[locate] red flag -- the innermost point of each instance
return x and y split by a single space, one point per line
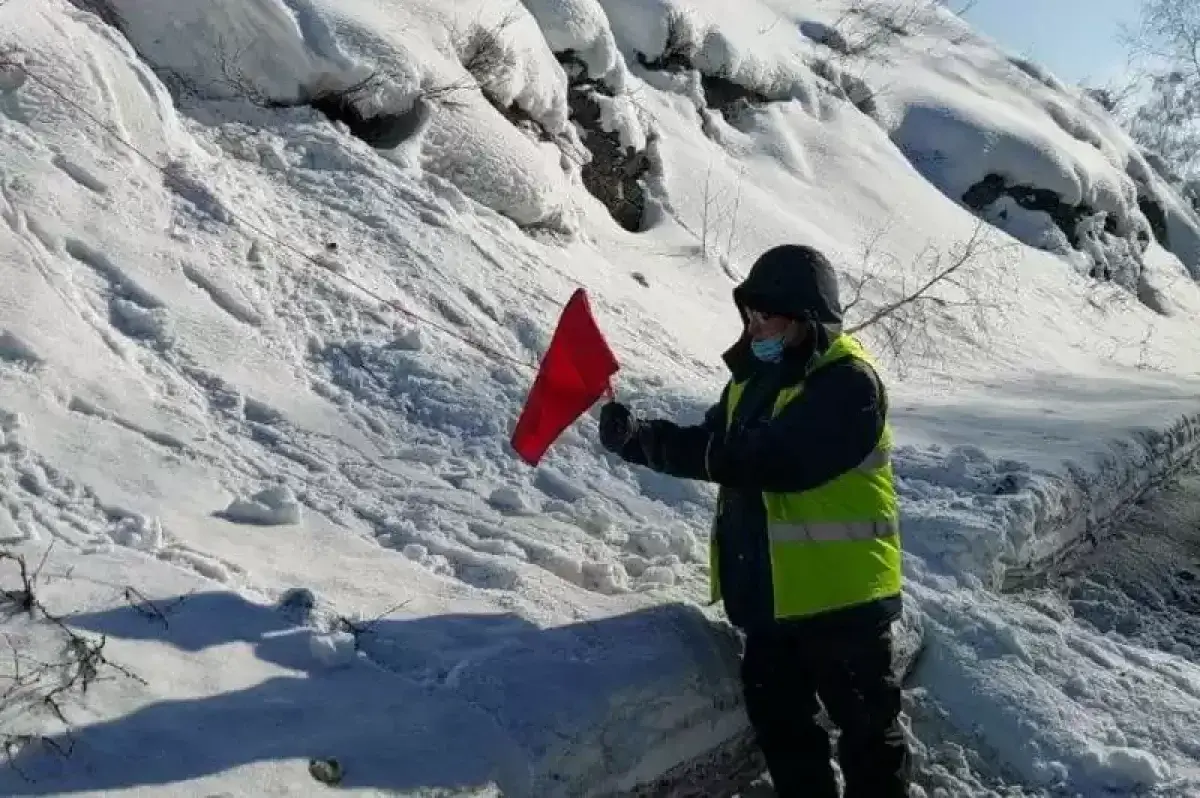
574 374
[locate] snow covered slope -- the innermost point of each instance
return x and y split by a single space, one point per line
240 415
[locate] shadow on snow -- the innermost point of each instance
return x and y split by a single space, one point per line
449 701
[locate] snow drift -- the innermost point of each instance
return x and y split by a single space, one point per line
246 348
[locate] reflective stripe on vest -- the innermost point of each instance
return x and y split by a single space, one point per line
829 531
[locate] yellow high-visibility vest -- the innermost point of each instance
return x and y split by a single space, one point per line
838 544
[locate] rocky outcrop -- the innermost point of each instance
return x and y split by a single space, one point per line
734 99
1168 204
616 171
1157 217
1098 235
721 93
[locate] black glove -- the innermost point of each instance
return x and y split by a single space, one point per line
617 426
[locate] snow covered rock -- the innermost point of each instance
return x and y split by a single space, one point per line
579 33
273 506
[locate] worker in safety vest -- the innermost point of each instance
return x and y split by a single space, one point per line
805 549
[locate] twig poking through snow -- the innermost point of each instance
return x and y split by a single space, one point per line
484 55
357 628
144 606
31 683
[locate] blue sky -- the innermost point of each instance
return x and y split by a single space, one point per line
1074 39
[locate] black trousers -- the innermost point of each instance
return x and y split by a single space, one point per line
785 670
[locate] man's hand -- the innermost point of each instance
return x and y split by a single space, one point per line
617 426
668 452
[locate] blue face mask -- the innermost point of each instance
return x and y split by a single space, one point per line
768 350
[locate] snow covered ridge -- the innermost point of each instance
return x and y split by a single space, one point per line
1038 159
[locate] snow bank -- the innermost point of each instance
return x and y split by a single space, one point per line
302 50
1062 704
999 521
599 706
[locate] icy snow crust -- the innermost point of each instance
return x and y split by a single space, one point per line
192 410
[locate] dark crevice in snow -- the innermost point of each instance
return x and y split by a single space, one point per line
519 118
846 86
824 34
721 92
1154 213
734 99
614 172
383 131
1066 217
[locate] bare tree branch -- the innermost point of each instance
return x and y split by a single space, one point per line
909 314
485 56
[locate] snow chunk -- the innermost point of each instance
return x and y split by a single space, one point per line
510 499
1123 768
620 115
581 27
271 506
333 649
138 532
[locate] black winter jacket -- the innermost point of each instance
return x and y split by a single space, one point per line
826 431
